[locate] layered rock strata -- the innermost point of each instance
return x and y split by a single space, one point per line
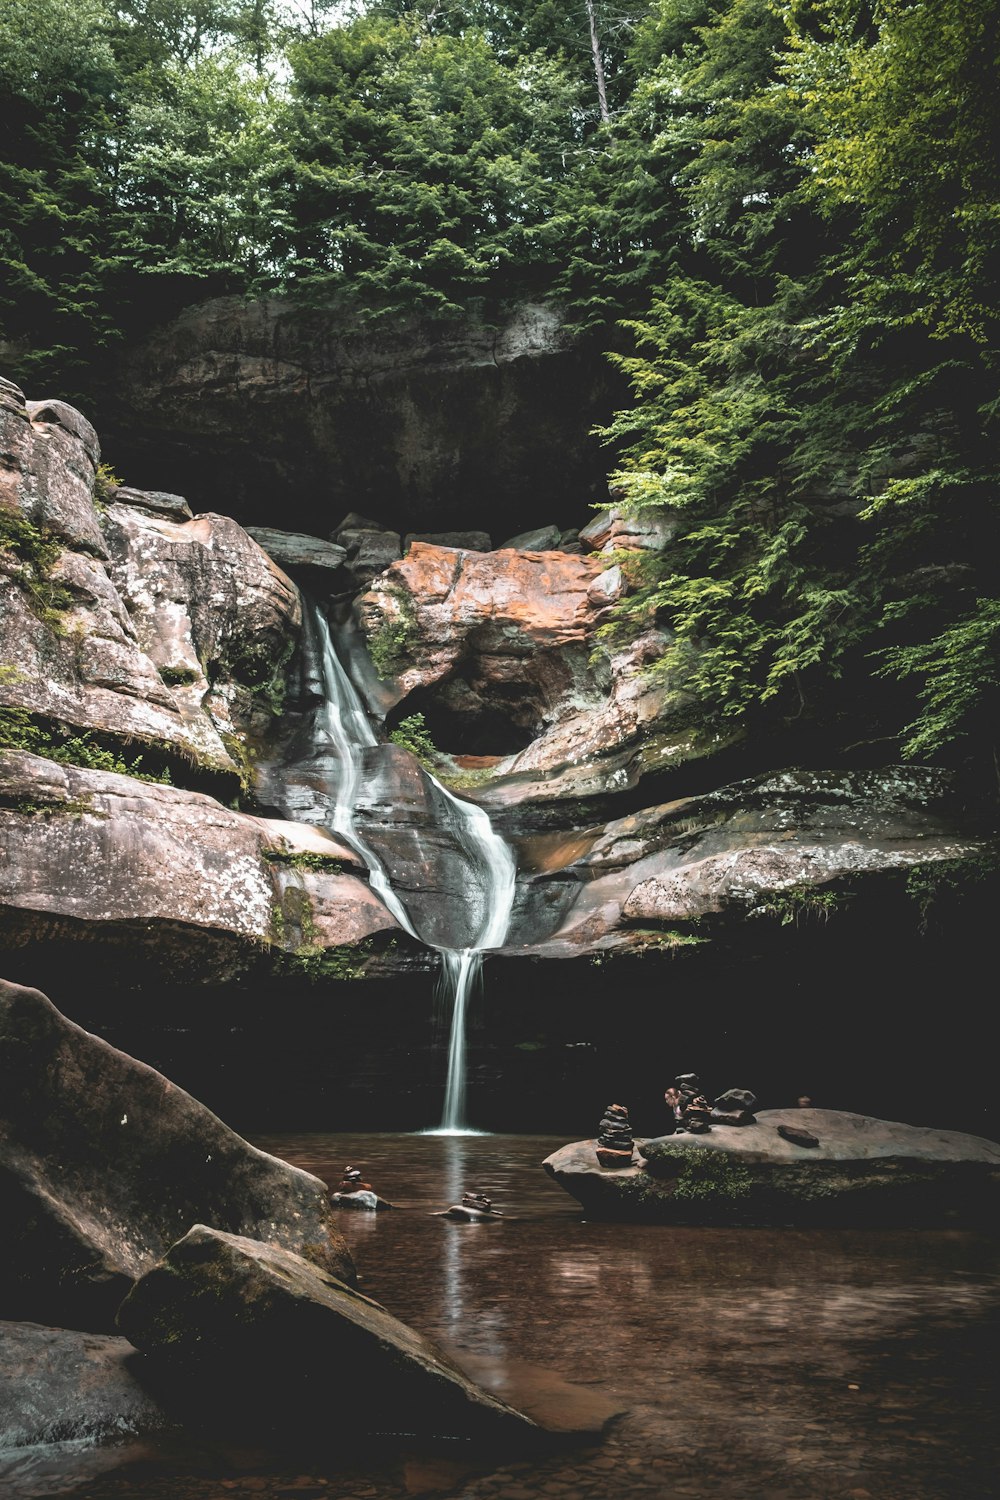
776 847
84 856
405 419
126 617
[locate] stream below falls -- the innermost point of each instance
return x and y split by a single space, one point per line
752 1364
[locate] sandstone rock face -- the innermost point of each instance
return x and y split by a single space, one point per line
105 1163
497 652
761 848
215 616
58 1385
246 401
84 856
409 824
291 549
863 1171
130 621
294 1336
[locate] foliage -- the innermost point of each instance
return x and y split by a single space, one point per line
711 1176
666 939
300 859
413 735
19 731
178 676
319 965
933 885
34 553
826 332
106 481
799 903
424 170
390 644
960 681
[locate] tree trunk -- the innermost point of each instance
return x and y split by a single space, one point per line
602 92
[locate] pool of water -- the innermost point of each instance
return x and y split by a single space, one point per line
779 1363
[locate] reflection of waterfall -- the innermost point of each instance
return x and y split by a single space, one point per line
342 726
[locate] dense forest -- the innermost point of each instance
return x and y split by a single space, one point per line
776 216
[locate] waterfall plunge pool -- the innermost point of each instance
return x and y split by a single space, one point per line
765 1363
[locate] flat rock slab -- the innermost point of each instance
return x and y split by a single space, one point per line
104 1163
278 1337
863 1170
59 1385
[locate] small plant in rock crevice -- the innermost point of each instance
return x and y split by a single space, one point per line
391 643
413 735
34 552
19 731
800 903
106 481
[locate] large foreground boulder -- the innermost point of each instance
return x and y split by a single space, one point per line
271 1335
798 1166
104 1164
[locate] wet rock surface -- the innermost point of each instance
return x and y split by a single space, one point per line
84 859
758 849
861 1170
287 1339
105 1163
58 1385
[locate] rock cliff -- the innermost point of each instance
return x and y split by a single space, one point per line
138 640
413 422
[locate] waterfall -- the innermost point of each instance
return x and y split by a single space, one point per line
342 726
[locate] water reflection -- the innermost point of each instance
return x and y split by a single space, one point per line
806 1365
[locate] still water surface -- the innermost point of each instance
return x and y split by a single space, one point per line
780 1364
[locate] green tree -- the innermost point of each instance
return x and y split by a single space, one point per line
57 82
426 172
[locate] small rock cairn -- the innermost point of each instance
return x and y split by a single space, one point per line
694 1115
614 1137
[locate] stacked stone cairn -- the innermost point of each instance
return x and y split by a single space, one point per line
614 1137
692 1112
734 1107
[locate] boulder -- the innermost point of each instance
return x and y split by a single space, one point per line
487 645
542 539
280 1335
82 860
212 612
862 1171
58 1385
104 1163
464 541
369 552
58 475
158 502
497 651
648 530
293 549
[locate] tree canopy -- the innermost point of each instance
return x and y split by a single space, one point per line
778 216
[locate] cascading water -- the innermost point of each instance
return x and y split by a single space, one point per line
343 727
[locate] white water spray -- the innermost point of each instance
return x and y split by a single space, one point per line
342 725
